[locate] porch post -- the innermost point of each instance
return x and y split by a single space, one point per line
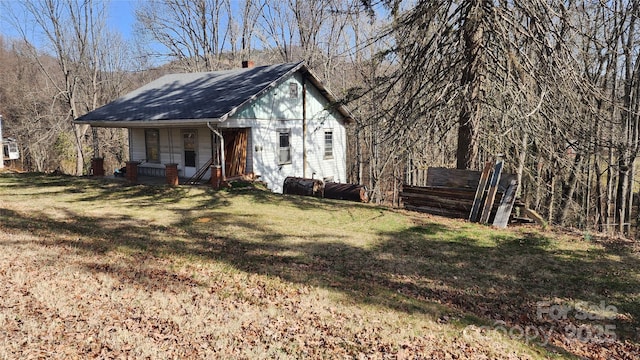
304 127
96 144
222 160
223 164
216 176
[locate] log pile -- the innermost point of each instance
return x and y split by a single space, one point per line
345 192
320 189
302 186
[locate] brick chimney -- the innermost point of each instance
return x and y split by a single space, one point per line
247 64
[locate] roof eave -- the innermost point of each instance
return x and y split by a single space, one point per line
147 123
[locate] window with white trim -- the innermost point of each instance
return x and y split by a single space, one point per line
152 145
284 146
293 90
328 144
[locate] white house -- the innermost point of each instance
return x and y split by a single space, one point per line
269 121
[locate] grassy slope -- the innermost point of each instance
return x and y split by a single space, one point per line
90 268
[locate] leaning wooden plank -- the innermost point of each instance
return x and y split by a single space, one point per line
482 185
506 205
491 194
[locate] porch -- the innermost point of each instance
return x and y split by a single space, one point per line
185 155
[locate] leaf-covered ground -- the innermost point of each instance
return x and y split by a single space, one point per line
92 268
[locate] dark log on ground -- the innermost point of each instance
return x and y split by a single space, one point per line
302 186
345 192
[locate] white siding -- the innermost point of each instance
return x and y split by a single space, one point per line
266 158
136 145
204 149
170 147
273 111
276 110
275 104
319 120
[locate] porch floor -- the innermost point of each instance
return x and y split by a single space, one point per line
152 180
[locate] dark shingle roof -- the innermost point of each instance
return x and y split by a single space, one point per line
191 96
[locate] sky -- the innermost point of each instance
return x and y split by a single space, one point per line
121 17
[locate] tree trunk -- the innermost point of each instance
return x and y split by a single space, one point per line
472 79
628 218
600 203
569 189
621 194
522 157
552 198
539 184
79 131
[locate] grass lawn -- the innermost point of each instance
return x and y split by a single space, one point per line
91 268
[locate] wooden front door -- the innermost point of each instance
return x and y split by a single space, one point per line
235 151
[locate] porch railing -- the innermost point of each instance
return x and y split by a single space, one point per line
197 177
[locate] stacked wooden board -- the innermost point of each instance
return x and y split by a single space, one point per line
438 200
481 196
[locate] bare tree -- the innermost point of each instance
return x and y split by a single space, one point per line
26 105
278 29
73 32
193 32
